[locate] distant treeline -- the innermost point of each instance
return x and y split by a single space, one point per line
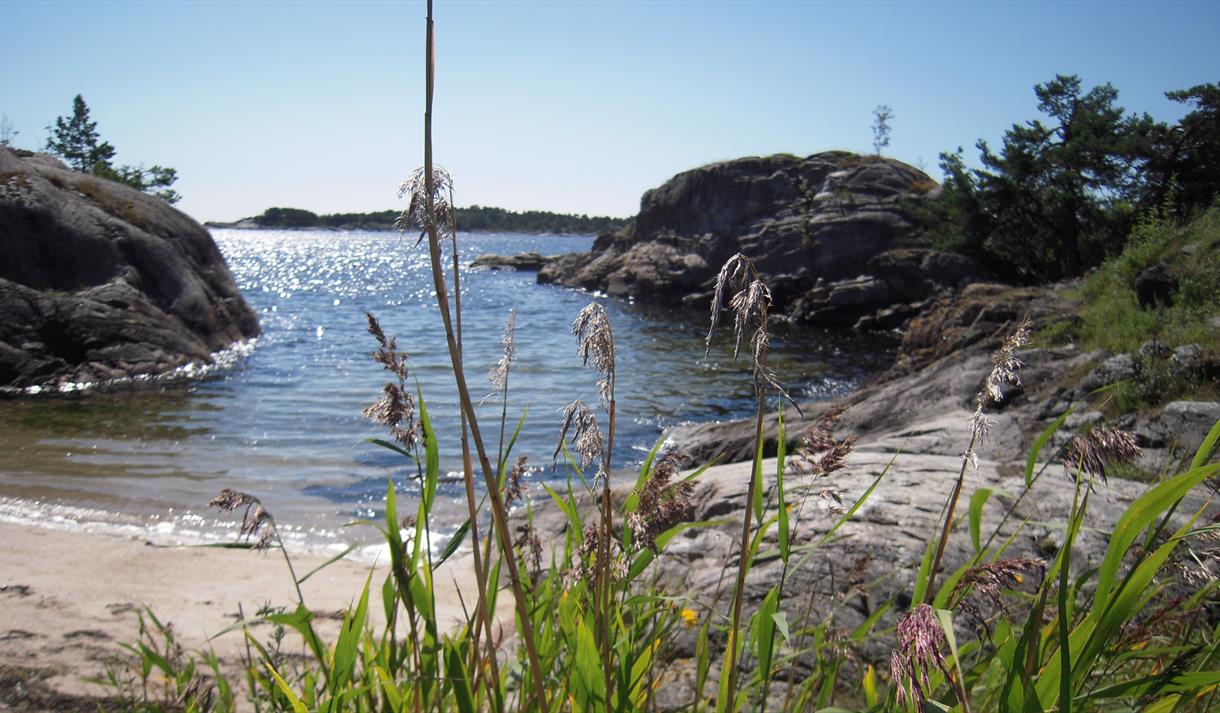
472 218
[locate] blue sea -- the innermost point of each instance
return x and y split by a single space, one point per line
281 417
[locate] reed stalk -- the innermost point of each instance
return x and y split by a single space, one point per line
482 614
498 512
730 654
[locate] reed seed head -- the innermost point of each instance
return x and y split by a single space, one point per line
529 545
994 578
1003 371
257 523
595 540
818 440
395 409
595 345
1097 448
499 373
662 502
514 485
750 301
920 638
586 439
416 216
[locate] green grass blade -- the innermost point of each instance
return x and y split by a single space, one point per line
1040 442
633 500
977 501
1137 518
785 543
1207 447
349 638
764 632
455 542
348 550
431 455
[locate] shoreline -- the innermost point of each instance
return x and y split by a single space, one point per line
211 224
68 599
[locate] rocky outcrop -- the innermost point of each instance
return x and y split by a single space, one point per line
100 282
914 422
521 261
832 234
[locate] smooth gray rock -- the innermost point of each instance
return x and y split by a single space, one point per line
99 281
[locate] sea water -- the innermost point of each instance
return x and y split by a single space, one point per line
281 417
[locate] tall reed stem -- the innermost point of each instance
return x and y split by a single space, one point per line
949 511
499 514
482 615
743 565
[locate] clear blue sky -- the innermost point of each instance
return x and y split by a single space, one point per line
566 106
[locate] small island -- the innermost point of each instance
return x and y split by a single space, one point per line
474 218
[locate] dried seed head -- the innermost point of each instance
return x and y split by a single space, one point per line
750 301
530 547
994 578
416 217
1003 371
595 540
395 409
256 521
595 345
499 374
586 438
734 275
833 453
514 485
1092 451
662 502
920 638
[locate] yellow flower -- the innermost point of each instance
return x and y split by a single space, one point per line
690 617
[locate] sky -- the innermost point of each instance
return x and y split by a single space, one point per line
566 106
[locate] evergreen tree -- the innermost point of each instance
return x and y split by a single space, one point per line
881 127
1185 160
76 140
1059 196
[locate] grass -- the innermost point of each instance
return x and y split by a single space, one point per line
1109 317
593 627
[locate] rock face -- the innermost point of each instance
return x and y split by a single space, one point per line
99 281
832 234
913 424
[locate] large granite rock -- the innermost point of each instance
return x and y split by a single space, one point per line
100 282
832 233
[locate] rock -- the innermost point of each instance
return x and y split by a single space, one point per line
99 281
1152 349
831 234
1155 286
1169 438
522 261
1111 371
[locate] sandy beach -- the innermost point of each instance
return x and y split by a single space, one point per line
67 600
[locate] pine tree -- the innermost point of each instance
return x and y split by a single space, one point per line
881 127
76 140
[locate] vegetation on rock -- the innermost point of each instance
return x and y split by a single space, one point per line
77 141
473 218
1063 195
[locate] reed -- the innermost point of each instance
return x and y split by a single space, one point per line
595 625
